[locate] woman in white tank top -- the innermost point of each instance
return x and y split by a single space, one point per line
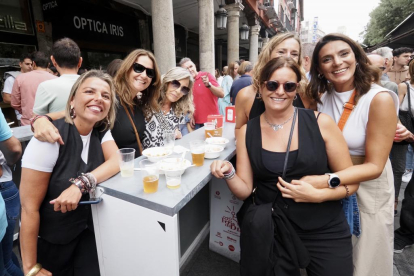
340 67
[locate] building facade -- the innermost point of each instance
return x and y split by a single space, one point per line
311 31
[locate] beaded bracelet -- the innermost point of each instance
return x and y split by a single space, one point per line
347 191
32 120
231 174
86 183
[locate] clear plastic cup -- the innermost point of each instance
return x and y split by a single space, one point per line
168 137
173 179
198 150
150 176
126 161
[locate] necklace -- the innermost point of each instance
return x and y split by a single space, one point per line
276 127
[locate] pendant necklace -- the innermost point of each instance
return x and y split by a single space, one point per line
276 127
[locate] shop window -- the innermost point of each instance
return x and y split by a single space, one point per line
98 60
15 17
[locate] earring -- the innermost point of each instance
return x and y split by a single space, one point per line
296 96
320 76
107 120
72 112
356 64
258 95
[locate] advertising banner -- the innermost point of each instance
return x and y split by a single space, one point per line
224 228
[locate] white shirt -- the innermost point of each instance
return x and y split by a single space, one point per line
355 128
404 104
8 85
35 158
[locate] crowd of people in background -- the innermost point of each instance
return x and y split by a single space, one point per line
323 116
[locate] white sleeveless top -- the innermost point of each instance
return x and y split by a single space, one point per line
355 128
404 104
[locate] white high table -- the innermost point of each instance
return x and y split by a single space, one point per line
153 234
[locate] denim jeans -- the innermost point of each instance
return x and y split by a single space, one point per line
351 210
11 198
406 231
197 126
409 158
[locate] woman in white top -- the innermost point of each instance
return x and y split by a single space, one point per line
340 67
55 232
176 103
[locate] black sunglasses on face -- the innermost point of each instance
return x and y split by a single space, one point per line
288 86
139 68
184 89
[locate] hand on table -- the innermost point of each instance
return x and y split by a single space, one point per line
219 167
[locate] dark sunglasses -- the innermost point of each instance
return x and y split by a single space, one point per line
139 68
287 86
184 89
382 68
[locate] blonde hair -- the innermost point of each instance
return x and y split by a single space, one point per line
109 120
266 55
185 104
149 99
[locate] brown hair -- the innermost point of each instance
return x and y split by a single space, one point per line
276 64
108 121
365 74
265 56
149 99
230 70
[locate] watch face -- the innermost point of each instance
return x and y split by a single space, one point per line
335 181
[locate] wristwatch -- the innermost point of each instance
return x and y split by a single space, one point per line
209 85
333 181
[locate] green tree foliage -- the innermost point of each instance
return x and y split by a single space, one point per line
385 18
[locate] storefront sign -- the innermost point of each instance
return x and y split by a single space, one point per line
40 25
15 17
89 23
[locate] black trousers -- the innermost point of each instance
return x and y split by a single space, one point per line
406 231
77 258
330 250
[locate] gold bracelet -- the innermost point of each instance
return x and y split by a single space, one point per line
34 270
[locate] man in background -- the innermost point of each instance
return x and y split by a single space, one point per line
307 52
245 71
386 53
399 71
26 65
25 86
206 92
52 95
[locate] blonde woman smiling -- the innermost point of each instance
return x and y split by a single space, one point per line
175 103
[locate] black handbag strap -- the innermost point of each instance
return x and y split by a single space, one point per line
292 128
409 100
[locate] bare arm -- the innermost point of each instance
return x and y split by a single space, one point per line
45 131
6 98
302 191
242 184
33 188
217 91
244 102
402 91
16 97
12 150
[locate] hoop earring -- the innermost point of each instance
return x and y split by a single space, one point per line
296 97
356 64
320 76
72 112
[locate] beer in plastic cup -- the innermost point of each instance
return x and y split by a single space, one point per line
198 149
126 161
150 176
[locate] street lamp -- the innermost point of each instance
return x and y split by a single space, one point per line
244 32
221 16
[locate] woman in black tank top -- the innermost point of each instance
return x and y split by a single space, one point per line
315 215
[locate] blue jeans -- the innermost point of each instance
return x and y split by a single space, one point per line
409 158
351 209
11 198
197 126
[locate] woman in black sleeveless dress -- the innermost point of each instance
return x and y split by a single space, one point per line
315 214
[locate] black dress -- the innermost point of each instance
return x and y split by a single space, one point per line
258 106
322 227
123 132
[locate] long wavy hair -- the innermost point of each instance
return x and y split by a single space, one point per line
266 55
109 121
185 104
230 70
365 74
128 97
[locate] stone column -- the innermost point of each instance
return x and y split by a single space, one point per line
233 32
254 43
206 35
220 56
44 40
163 32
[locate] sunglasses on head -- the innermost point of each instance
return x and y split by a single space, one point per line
288 86
176 84
139 68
